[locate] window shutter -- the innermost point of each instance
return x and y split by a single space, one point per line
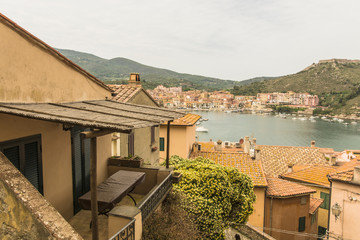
162 144
301 224
32 169
13 154
131 144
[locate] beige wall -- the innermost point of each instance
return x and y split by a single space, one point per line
56 157
142 99
30 74
257 217
181 140
143 145
347 224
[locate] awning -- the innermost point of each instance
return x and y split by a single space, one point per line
101 114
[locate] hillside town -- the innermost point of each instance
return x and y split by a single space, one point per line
80 159
174 97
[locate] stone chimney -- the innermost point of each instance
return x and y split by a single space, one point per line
218 146
257 153
313 143
290 168
357 175
195 147
246 145
134 79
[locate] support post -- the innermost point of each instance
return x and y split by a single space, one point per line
93 186
168 143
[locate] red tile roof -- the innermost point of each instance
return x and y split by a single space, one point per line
345 172
187 120
27 35
312 174
124 93
276 159
241 161
282 188
315 204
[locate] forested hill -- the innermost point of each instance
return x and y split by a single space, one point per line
336 81
117 70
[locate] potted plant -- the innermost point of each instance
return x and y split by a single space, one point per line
129 161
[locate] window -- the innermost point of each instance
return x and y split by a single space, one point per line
326 203
25 155
162 144
301 224
152 134
321 231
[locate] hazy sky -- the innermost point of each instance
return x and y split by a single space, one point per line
229 39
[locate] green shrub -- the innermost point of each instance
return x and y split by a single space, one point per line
216 195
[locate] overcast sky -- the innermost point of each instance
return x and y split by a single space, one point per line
228 39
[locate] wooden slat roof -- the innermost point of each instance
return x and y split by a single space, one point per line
103 114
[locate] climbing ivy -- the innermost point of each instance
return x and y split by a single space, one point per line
215 194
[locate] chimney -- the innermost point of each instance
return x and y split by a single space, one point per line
254 143
290 168
313 143
246 145
134 79
195 147
257 153
356 178
218 146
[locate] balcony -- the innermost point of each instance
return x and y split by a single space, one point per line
126 219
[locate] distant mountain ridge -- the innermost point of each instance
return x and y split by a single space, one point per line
336 81
117 70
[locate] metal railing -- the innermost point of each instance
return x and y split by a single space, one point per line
126 233
154 198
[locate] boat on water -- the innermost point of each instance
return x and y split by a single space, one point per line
201 129
353 123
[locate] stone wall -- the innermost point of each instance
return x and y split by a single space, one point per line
24 212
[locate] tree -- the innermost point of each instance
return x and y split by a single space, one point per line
216 195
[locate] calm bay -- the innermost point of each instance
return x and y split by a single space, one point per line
276 130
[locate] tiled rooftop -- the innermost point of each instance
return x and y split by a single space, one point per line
276 159
345 172
282 188
312 174
187 120
315 204
241 161
124 92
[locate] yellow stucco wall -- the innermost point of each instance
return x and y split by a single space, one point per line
30 74
322 213
181 140
257 217
56 157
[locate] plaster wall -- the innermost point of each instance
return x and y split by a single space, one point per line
285 215
30 74
56 157
322 213
346 225
142 99
257 217
180 140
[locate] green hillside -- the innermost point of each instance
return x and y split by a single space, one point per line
117 70
336 81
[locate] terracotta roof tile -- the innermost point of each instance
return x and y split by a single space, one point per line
207 146
282 188
276 159
315 204
346 172
187 120
312 174
123 93
241 161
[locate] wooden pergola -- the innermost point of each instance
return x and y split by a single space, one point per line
103 117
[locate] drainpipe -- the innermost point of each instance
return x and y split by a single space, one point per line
328 227
168 143
271 207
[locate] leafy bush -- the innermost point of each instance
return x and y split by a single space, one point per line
217 195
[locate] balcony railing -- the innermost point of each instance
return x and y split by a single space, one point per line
155 197
126 233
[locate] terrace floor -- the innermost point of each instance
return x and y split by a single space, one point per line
81 221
